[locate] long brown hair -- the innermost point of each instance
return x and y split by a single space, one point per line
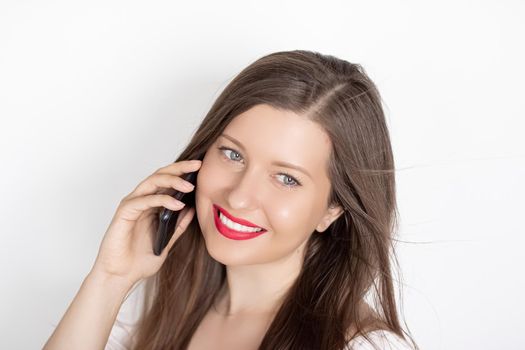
350 261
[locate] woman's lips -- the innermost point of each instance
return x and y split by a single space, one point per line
234 219
230 233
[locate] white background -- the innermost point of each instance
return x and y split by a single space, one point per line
96 95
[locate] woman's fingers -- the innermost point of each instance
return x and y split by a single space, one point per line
166 177
130 209
181 167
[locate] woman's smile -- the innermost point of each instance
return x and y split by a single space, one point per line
234 230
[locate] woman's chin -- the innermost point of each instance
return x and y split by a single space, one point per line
228 256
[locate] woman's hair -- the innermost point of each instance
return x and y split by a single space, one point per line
350 261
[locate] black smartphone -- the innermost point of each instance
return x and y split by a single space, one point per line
168 217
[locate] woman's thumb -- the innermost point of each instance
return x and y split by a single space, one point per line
184 219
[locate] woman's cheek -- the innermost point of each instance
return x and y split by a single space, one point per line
212 177
295 216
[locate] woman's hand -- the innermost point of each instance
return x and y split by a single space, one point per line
126 250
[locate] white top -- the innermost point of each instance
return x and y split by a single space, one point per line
121 336
383 339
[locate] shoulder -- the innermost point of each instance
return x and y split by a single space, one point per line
379 339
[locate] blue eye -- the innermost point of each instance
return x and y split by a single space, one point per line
294 182
229 149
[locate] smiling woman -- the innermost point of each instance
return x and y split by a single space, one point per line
296 144
295 221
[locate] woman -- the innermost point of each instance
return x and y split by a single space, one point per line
296 145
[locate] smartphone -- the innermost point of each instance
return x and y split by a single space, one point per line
168 218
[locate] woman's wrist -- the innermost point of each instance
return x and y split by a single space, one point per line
116 283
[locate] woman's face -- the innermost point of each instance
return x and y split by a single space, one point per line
247 183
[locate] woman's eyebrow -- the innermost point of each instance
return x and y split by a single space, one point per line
277 162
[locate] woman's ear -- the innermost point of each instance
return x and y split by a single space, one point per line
332 213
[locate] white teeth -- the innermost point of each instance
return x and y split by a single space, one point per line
235 226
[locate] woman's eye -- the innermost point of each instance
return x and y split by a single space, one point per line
229 149
291 182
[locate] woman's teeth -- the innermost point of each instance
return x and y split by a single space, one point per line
235 226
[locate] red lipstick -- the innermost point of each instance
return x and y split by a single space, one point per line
231 233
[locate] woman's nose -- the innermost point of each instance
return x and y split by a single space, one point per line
246 190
